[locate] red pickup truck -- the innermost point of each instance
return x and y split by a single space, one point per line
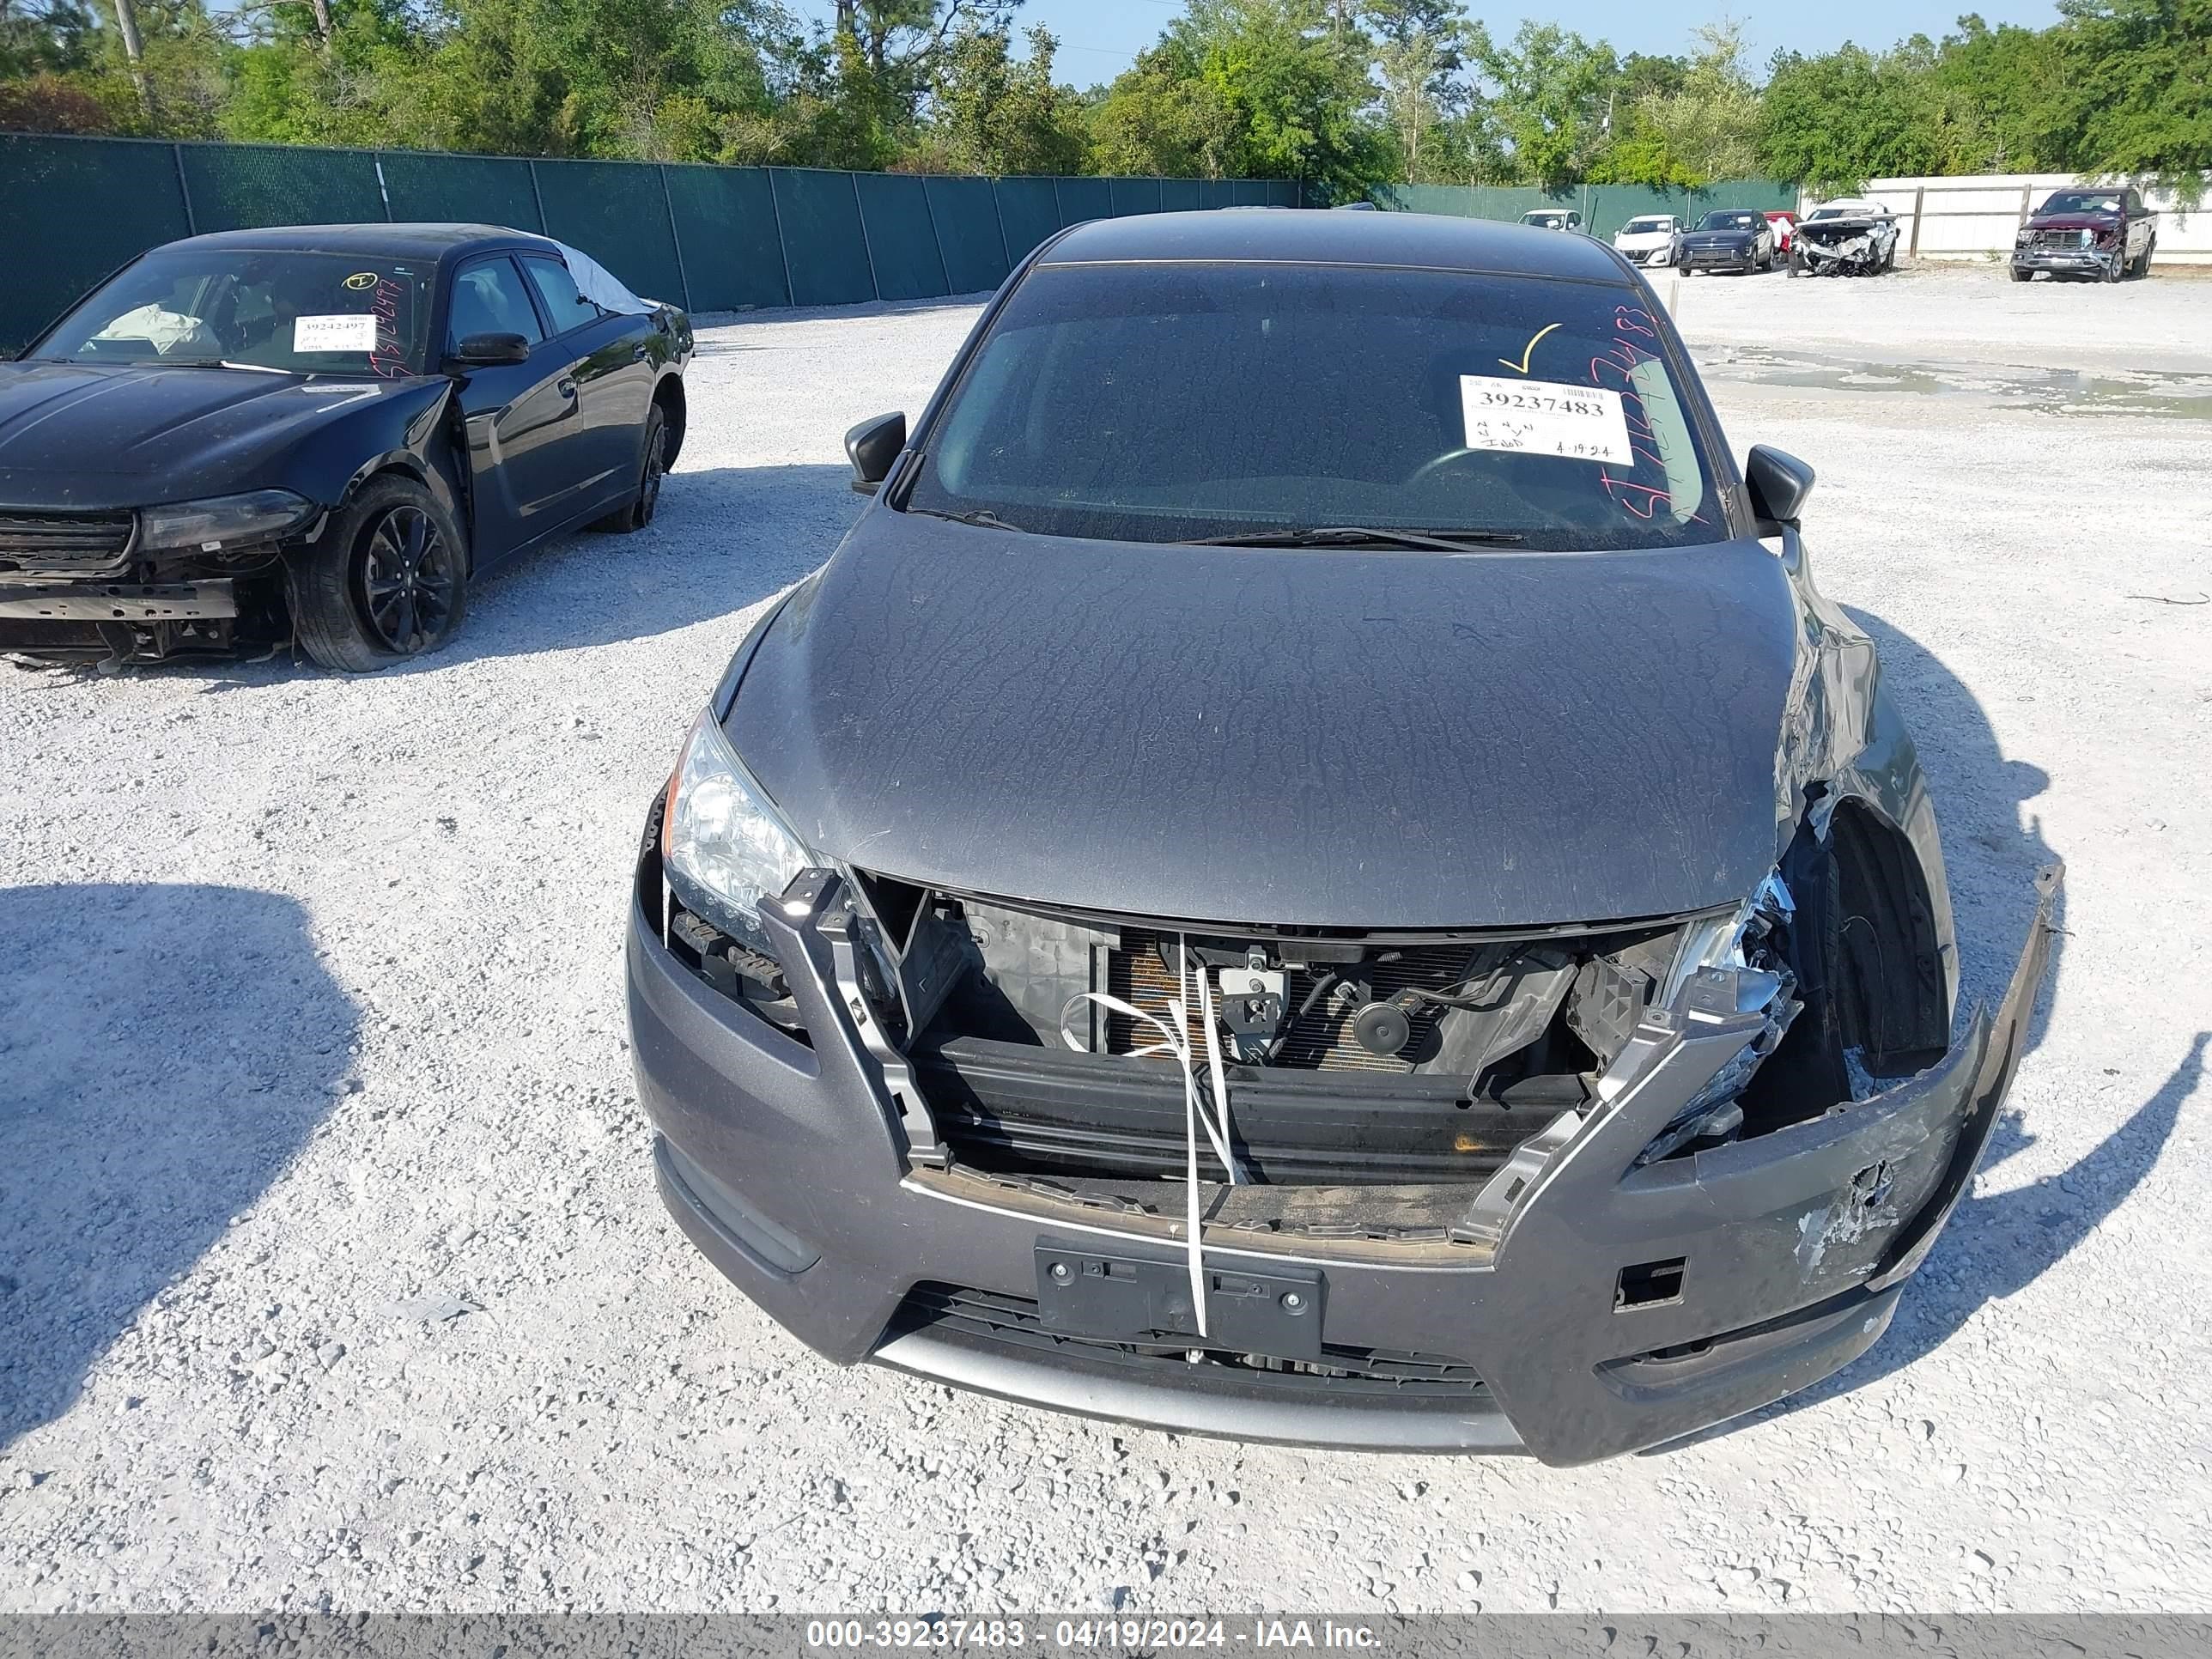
2097 234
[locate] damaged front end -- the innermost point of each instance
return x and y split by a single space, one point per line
1845 247
1573 1190
94 585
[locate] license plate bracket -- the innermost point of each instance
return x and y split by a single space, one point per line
1121 1295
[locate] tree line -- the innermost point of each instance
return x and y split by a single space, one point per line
1343 94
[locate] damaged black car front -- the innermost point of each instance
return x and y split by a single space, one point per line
1315 869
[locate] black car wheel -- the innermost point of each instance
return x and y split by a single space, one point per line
2116 268
651 470
387 580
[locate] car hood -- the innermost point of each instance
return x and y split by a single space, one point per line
79 435
1322 737
2073 222
1718 238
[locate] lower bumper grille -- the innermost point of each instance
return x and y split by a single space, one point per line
988 1318
63 543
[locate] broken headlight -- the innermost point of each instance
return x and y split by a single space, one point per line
725 848
221 521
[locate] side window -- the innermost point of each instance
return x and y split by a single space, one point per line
2135 204
488 298
567 306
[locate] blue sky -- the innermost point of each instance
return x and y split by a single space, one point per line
1099 37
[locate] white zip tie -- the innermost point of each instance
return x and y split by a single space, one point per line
1174 1039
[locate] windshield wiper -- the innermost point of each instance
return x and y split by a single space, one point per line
1445 541
982 515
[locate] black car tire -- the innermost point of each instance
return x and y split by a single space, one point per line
2021 275
387 579
641 508
2116 269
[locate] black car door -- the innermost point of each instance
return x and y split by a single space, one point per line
525 420
610 357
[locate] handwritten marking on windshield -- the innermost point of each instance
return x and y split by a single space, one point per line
1522 368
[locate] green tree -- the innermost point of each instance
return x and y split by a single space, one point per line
1421 49
1553 103
1834 120
1161 119
2138 88
992 114
1701 129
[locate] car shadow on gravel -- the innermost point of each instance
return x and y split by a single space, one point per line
1996 1244
165 1051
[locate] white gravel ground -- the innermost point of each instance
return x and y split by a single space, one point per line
330 1271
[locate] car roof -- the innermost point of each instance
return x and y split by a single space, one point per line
419 241
1412 241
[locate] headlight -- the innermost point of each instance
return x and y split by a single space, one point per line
223 521
724 847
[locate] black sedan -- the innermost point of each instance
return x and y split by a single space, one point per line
323 434
1307 873
1727 239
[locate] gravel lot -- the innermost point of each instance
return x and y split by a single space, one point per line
330 1271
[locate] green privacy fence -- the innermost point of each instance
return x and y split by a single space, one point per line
1605 208
715 239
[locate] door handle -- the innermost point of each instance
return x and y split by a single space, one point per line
566 388
640 351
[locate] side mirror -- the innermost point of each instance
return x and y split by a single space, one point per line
480 349
1778 484
872 447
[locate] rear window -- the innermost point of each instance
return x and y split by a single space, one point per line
1181 402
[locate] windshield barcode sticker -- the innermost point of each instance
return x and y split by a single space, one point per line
1544 417
351 332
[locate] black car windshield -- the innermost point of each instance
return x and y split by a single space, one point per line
1732 221
2082 201
1189 402
310 313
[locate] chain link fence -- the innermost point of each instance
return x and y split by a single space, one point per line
72 210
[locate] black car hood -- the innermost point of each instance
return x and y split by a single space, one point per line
1718 238
78 435
1322 738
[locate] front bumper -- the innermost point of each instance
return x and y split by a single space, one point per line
2066 261
787 1165
1718 258
43 599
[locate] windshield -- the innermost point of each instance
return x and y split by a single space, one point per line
1185 402
2082 201
1732 221
1639 227
1548 220
312 314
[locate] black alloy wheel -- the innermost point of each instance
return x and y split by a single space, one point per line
387 579
409 578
